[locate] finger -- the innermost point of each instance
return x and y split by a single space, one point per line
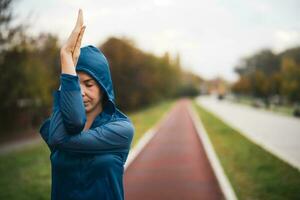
76 50
79 22
78 42
76 31
78 25
79 38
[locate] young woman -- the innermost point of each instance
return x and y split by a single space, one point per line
89 138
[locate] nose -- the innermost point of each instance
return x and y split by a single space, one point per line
82 90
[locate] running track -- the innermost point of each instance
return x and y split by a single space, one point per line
173 165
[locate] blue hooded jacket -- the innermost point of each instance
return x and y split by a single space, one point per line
87 164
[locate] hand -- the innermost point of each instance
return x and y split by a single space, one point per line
72 46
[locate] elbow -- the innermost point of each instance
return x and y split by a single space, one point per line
74 118
75 125
74 121
54 140
130 134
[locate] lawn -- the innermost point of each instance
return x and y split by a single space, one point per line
253 172
25 174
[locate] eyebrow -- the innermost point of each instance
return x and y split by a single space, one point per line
88 80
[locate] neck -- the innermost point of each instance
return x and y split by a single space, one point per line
90 116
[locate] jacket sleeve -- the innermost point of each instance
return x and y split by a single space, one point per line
73 112
115 136
44 131
71 104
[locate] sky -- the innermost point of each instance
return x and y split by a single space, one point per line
211 36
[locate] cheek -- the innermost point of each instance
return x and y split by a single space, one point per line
95 93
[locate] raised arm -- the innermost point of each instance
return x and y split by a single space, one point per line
71 104
70 51
72 108
115 136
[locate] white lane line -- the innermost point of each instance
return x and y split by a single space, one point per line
212 156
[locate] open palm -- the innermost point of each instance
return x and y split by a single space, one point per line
72 46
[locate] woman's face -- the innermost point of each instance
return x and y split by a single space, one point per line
91 93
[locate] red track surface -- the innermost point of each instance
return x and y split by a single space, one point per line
173 165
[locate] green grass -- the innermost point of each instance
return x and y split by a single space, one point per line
26 174
253 172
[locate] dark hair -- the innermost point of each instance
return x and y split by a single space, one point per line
104 98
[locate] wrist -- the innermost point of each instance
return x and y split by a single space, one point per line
64 51
67 64
65 56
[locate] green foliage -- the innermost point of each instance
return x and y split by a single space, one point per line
28 73
27 80
265 74
265 60
189 85
140 78
290 73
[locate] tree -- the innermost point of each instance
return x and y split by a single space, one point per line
9 34
265 61
242 86
259 69
29 70
261 74
290 86
140 78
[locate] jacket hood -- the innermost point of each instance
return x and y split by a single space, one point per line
93 62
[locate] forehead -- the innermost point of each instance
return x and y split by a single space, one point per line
84 76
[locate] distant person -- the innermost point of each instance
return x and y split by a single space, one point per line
88 136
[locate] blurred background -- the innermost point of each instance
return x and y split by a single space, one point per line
170 48
246 52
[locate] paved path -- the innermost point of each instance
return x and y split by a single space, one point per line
278 134
20 144
173 165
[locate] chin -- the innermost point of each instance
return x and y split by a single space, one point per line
87 110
